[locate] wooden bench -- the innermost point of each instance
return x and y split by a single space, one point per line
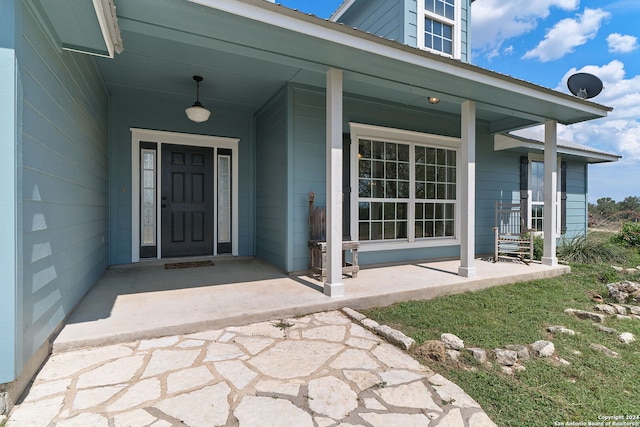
318 245
318 254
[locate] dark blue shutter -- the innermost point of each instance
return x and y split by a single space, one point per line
563 197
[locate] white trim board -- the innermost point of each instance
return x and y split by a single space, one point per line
164 137
508 142
362 131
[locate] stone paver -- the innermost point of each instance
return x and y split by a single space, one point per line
321 369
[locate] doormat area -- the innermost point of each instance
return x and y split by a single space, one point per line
188 264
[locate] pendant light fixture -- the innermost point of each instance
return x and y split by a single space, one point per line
197 112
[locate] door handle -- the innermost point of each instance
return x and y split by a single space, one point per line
164 197
163 205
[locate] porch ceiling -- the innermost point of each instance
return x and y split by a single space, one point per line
245 60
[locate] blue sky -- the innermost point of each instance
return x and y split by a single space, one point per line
544 42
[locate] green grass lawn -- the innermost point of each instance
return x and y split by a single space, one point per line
545 393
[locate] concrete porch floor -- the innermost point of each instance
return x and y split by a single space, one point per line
146 300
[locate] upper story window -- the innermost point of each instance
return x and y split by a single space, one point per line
439 26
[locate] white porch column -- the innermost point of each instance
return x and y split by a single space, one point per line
334 287
550 192
467 188
11 229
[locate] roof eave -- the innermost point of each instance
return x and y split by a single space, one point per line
341 10
575 108
510 142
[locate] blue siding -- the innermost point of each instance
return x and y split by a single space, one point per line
411 23
498 180
309 173
130 108
272 156
310 155
381 17
576 198
64 183
493 184
397 20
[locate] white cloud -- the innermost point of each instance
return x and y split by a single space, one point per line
494 21
618 136
622 44
568 34
620 131
619 92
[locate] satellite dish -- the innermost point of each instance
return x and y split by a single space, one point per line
584 85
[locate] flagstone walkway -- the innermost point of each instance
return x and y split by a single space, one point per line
318 370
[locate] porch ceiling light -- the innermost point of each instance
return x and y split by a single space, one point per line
433 100
197 112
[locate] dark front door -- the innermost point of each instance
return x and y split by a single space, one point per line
187 201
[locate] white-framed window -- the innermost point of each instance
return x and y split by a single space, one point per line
148 202
439 26
224 198
406 188
536 195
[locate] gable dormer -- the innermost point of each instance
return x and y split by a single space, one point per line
438 26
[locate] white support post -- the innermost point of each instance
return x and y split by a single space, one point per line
11 229
334 287
467 188
550 192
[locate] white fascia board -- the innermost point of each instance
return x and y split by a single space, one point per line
258 10
505 142
346 4
105 12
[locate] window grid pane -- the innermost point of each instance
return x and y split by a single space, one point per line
435 174
444 8
537 217
224 199
537 181
434 217
383 188
148 190
438 36
384 196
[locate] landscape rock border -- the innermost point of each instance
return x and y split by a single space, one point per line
508 357
394 336
618 311
451 345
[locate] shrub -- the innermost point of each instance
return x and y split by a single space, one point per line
538 247
630 234
590 250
